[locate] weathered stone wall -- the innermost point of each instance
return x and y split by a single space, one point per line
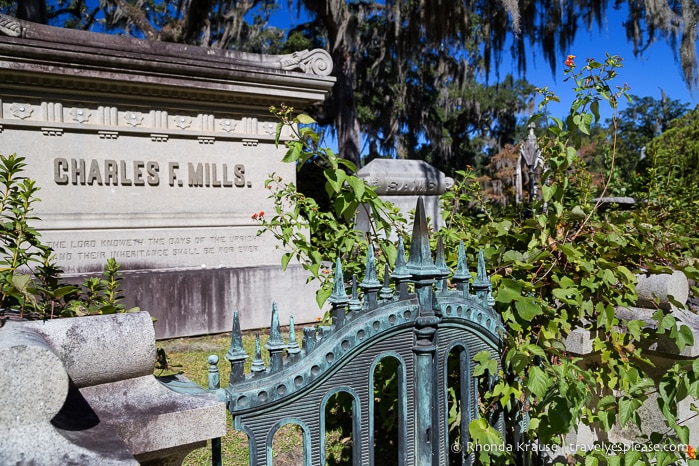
156 154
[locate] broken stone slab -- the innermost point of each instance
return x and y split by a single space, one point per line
36 387
101 349
397 177
621 202
654 292
656 289
85 387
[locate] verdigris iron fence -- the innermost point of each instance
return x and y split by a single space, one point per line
420 324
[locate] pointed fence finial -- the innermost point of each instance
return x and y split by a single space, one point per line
401 274
236 354
370 278
354 304
275 345
292 348
339 297
386 292
258 364
462 276
371 283
481 285
401 269
339 294
420 264
441 264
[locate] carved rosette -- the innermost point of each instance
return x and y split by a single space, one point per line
316 61
269 128
183 122
228 125
21 111
133 118
81 115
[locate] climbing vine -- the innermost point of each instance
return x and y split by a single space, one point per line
558 265
564 266
313 236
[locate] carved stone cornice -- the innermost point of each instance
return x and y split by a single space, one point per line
70 59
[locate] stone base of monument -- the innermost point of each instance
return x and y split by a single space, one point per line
653 290
190 302
82 391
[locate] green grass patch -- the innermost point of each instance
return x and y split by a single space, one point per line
188 356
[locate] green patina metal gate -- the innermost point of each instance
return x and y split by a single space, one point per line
419 329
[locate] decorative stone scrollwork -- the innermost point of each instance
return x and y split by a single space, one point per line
10 26
316 61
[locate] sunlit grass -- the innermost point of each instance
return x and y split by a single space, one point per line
189 357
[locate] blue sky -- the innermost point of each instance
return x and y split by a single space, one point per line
656 68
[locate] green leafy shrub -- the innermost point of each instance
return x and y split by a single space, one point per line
570 265
557 265
30 281
315 236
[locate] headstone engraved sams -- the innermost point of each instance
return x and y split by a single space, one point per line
156 155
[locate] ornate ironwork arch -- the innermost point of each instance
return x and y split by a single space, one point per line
418 328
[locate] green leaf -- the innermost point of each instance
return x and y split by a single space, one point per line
277 134
485 362
628 409
21 282
293 152
322 295
335 180
357 185
305 119
286 257
508 291
594 108
513 256
528 308
537 381
547 192
63 291
484 434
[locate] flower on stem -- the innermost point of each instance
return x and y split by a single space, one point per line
570 61
691 452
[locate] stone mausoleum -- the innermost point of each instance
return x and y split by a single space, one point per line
156 154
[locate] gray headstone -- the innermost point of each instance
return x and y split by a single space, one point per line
157 154
401 182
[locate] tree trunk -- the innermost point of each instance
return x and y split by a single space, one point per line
335 16
32 10
346 122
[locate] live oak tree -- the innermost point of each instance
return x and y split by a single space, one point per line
430 45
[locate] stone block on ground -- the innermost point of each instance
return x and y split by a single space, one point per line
83 389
